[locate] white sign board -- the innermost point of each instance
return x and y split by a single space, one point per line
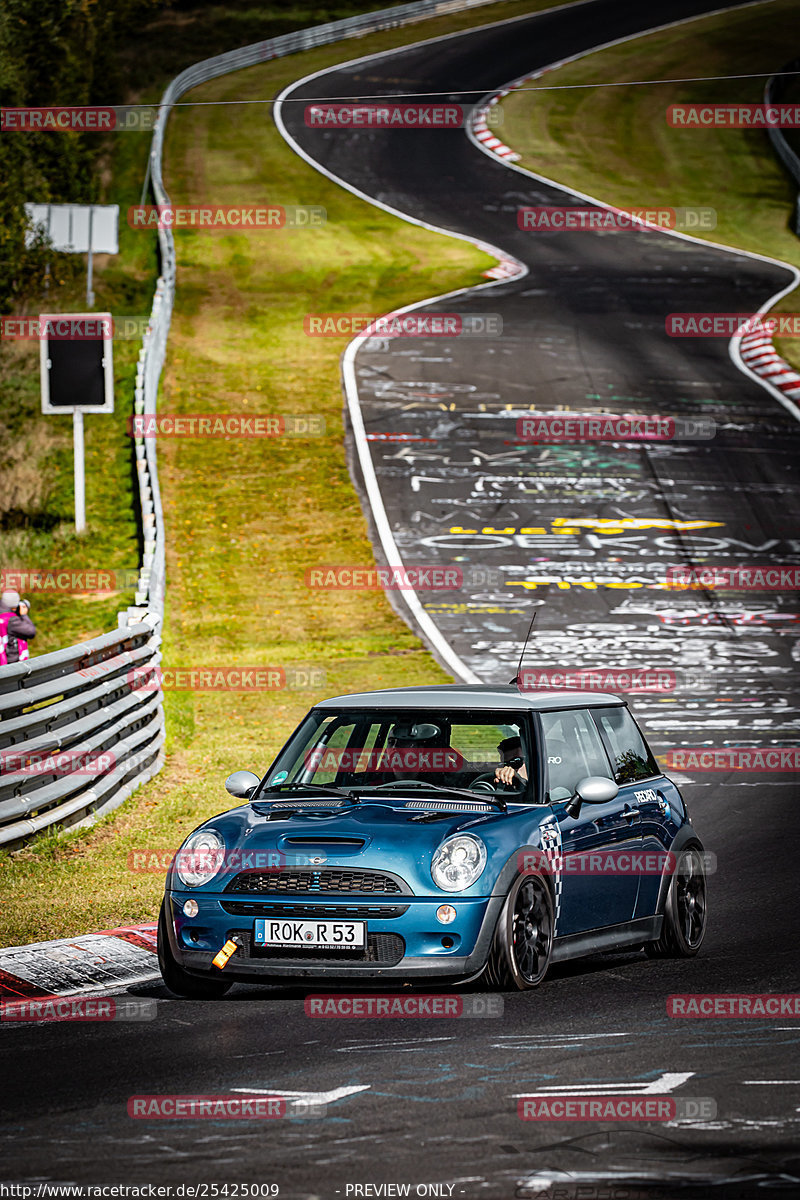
68 225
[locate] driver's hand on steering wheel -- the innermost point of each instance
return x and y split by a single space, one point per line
505 775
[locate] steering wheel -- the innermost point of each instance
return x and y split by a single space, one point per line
393 783
486 783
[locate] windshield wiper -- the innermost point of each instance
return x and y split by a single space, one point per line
326 789
412 784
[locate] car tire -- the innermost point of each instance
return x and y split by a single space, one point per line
685 910
523 939
179 981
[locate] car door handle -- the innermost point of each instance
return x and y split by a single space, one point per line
630 813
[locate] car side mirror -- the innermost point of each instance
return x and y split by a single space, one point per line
594 789
241 784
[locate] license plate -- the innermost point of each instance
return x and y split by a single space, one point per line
330 935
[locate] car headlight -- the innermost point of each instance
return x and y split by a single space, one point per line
458 862
200 857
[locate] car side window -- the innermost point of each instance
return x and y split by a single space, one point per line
629 751
573 750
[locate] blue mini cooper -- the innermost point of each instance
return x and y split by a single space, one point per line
438 834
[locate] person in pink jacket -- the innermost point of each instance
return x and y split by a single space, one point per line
16 628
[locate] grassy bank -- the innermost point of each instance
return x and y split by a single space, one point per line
36 489
246 518
614 142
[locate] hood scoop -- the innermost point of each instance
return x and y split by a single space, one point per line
311 802
284 810
323 840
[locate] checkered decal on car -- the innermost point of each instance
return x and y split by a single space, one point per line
550 832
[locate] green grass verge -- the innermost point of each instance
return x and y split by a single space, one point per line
244 519
614 142
36 489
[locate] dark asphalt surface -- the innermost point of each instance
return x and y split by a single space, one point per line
438 1105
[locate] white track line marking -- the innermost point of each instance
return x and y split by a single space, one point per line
667 1082
391 551
311 1097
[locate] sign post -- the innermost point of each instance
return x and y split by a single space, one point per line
89 262
77 376
80 473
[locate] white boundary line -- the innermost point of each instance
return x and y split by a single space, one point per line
734 346
390 548
388 543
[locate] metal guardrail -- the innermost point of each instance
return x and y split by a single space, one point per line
82 705
773 93
79 730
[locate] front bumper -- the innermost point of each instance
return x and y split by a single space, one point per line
407 945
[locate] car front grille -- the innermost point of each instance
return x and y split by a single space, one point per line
276 883
382 950
267 908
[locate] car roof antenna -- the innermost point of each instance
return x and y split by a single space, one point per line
516 679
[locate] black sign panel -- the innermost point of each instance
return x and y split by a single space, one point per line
76 374
76 354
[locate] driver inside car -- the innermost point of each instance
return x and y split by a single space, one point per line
421 750
513 771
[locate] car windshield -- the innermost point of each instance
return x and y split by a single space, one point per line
395 750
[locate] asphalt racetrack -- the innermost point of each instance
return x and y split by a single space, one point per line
416 1102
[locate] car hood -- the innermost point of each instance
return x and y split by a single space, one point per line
387 825
379 836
